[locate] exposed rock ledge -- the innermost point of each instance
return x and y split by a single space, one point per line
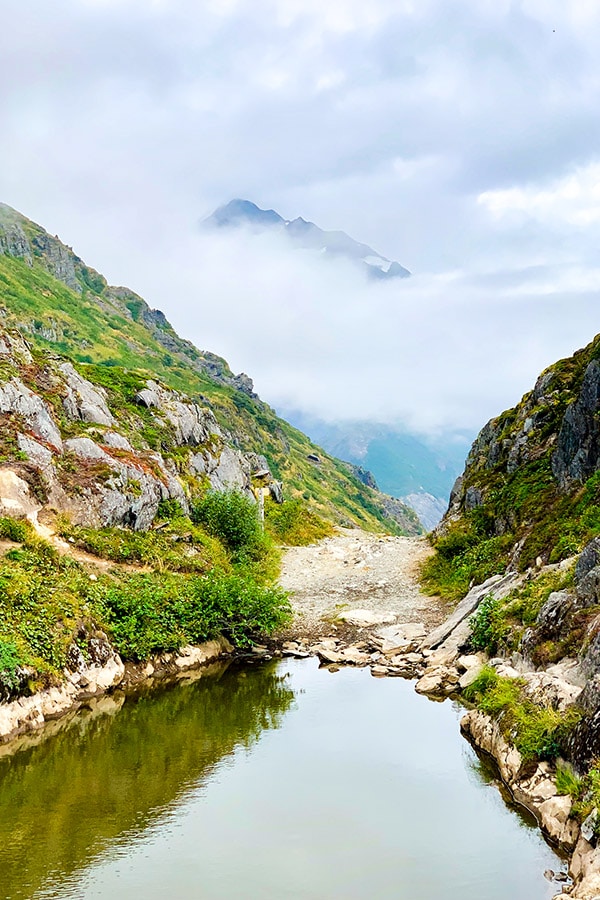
30 713
536 790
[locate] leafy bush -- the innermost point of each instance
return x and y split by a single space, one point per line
17 530
230 516
10 662
169 509
487 625
147 614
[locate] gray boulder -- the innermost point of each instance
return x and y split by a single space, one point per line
82 400
16 398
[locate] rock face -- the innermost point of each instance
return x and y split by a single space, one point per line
549 443
577 451
82 400
96 475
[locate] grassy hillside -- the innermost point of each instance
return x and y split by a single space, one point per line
66 307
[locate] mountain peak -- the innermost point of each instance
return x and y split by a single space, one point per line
306 235
242 212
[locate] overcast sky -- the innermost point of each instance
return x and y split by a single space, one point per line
460 137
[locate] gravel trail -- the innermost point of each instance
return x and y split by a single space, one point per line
358 570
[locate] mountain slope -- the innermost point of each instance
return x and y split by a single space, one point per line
530 492
418 470
64 306
306 235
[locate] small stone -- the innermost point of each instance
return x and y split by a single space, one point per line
379 671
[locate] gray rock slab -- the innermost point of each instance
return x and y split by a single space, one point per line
467 607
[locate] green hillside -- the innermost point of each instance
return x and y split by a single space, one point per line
66 307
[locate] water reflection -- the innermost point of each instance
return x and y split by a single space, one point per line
106 777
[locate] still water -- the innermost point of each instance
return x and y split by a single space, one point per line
278 781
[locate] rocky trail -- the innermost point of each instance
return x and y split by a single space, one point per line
354 581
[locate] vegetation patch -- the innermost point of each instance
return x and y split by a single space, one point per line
498 623
464 556
538 732
294 524
177 546
46 599
147 614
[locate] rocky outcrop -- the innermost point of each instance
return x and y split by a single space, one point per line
535 790
96 475
82 400
577 454
456 629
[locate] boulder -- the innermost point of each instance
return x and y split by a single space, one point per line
15 497
555 820
438 680
192 656
548 690
83 400
16 398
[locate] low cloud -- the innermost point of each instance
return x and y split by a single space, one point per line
435 352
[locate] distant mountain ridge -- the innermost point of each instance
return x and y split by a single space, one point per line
305 235
419 471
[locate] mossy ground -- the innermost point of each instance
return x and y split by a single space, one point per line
538 732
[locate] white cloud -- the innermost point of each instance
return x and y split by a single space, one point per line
445 351
460 139
573 200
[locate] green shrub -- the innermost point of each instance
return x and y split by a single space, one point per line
10 662
232 517
148 614
488 626
17 530
169 509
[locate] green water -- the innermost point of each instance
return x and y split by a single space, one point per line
276 781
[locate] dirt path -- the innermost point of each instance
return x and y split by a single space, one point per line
357 570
